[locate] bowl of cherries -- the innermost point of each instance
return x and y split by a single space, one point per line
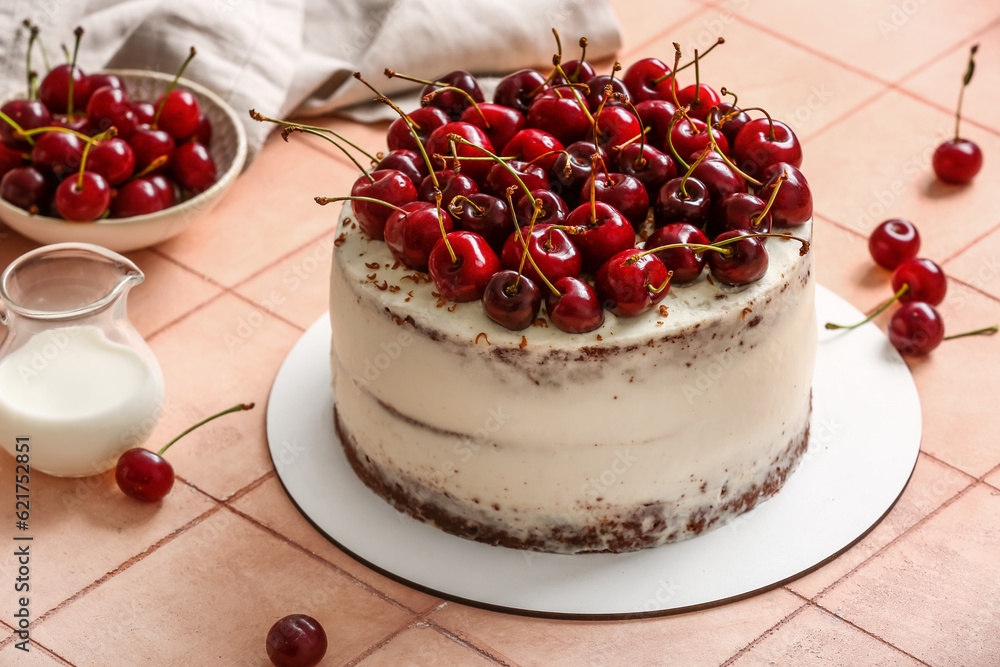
121 158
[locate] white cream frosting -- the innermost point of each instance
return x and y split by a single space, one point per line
684 409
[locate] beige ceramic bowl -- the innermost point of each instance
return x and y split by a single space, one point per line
228 149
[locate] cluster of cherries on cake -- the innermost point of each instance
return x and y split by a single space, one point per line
547 189
76 147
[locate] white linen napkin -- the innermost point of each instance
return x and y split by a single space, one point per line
297 56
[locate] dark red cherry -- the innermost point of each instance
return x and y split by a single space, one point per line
113 159
101 79
11 159
427 119
652 168
451 102
193 167
559 113
925 279
719 179
615 126
755 148
744 262
450 184
498 123
79 123
296 640
740 210
915 329
793 204
686 263
957 161
109 107
29 115
690 136
203 132
144 113
83 203
53 92
656 115
576 308
572 167
57 153
149 145
893 242
552 250
169 192
387 185
179 115
138 197
530 144
680 201
622 191
26 188
499 179
485 215
511 301
599 232
554 210
597 86
516 90
578 72
465 278
409 162
627 286
412 234
733 124
438 144
144 475
648 79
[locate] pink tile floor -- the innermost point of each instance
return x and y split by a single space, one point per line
198 578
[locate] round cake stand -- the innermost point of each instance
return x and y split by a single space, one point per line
863 446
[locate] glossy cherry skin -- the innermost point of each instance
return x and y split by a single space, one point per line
113 159
530 144
577 71
656 115
101 79
409 162
499 179
203 132
701 98
149 145
576 308
179 115
390 186
686 263
639 79
893 242
492 220
554 210
465 279
451 102
754 150
427 120
622 191
597 86
144 475
57 153
691 136
296 640
674 204
600 232
193 167
169 192
438 144
138 197
558 112
28 114
498 123
915 329
450 184
957 161
79 123
745 263
83 204
26 188
11 159
718 178
573 167
511 302
144 112
925 279
552 250
740 210
793 204
516 90
732 126
615 126
626 288
653 168
53 92
109 107
412 235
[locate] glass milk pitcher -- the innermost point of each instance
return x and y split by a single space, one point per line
78 384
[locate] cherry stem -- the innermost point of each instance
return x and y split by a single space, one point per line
72 68
235 408
157 162
496 158
988 331
640 160
55 128
263 118
673 84
690 171
875 313
583 57
524 241
478 209
41 45
170 88
444 235
454 89
670 140
65 53
697 247
665 285
697 79
390 73
666 76
755 219
17 128
725 91
715 146
770 121
83 163
572 88
288 129
594 159
969 70
323 201
32 36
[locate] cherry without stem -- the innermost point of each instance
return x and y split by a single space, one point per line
575 308
297 640
893 242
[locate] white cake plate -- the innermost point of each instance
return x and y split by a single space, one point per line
863 446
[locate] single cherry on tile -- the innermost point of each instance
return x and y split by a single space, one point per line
917 328
893 242
297 640
925 279
958 160
146 475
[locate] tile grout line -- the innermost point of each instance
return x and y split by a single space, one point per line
382 643
971 244
469 645
774 628
35 642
